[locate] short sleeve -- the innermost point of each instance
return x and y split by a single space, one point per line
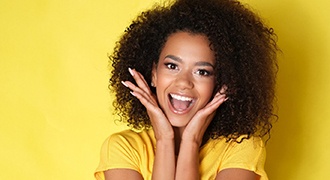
117 152
250 154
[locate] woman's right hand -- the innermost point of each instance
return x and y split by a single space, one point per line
162 128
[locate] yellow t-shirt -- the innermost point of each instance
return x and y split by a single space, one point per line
132 150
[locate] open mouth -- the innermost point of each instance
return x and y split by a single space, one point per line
180 103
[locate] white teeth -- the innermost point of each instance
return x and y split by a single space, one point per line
181 98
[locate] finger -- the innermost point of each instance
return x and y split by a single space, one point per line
210 108
139 79
216 101
201 120
219 95
135 90
223 89
147 102
160 123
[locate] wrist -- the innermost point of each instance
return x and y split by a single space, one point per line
190 143
165 143
191 140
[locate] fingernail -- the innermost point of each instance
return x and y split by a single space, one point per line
124 83
130 71
132 93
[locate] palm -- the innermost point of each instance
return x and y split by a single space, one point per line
159 121
201 120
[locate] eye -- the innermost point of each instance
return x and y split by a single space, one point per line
203 72
171 66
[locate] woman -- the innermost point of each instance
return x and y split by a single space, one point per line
199 78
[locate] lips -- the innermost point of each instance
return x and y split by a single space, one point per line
180 104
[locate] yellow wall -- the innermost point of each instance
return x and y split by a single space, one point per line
55 108
299 148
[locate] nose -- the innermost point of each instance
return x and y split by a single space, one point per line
184 81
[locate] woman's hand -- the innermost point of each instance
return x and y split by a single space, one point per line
164 163
191 140
197 126
162 127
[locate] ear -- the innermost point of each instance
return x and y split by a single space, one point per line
154 75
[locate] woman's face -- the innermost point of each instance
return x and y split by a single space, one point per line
184 76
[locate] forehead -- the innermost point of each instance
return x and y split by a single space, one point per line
188 46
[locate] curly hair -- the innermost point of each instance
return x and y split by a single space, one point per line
245 51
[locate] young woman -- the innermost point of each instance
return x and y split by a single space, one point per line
195 82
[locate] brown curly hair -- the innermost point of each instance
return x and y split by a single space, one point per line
245 51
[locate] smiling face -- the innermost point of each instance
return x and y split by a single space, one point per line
184 76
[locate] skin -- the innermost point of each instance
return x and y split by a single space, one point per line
186 71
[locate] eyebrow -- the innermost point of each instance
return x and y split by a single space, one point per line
175 58
200 63
203 63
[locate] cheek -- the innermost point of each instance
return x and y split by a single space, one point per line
163 79
206 89
162 83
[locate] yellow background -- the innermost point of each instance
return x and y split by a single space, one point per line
55 109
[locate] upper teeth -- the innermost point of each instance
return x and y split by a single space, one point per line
181 98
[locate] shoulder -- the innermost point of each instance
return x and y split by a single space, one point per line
252 143
126 134
219 154
124 150
130 138
241 149
241 143
248 154
125 147
250 150
133 135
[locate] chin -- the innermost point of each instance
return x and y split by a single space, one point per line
178 122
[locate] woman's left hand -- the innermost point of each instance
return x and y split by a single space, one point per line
191 140
197 126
